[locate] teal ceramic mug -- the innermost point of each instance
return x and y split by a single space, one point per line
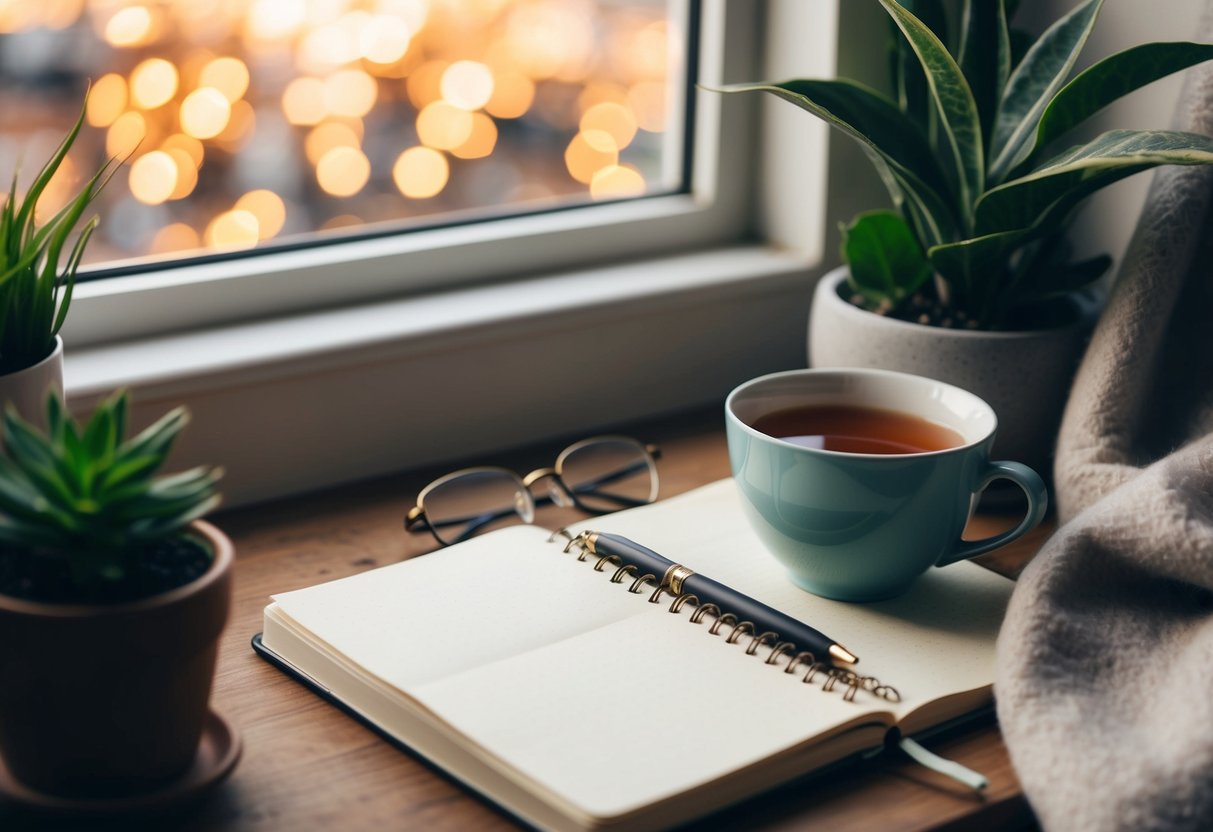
862 527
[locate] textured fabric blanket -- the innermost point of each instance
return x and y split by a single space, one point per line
1105 677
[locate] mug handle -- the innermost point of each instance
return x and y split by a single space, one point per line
1038 501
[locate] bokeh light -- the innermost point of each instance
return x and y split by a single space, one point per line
350 92
589 152
187 173
421 172
204 113
125 134
153 83
616 182
325 137
129 27
106 100
267 207
343 171
153 177
481 141
228 75
613 119
385 39
233 229
248 121
512 96
303 101
467 84
444 126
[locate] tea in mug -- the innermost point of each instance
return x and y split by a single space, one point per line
857 430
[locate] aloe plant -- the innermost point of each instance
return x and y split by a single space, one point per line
35 290
90 497
968 154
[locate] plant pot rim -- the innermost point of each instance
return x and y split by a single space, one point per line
224 555
55 353
828 290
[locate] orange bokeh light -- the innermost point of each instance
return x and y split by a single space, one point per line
106 100
267 207
421 172
443 126
589 152
343 171
481 142
204 113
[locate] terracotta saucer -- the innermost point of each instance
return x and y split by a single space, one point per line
218 752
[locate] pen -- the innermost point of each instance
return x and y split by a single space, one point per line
680 579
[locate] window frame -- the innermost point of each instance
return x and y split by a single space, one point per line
715 210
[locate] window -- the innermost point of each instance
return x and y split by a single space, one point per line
276 123
315 365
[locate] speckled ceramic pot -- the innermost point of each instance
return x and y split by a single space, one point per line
1025 376
26 389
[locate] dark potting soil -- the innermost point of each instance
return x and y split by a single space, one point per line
164 565
923 309
926 309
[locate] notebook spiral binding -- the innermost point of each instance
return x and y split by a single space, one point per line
832 678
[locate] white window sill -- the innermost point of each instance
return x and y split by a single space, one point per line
311 400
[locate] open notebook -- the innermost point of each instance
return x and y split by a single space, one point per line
575 704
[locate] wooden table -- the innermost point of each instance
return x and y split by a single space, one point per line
308 766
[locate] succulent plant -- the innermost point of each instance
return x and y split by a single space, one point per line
981 208
91 497
35 291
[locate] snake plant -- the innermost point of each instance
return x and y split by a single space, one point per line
35 290
967 147
90 496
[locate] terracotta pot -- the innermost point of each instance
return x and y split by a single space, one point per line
109 701
1025 376
27 388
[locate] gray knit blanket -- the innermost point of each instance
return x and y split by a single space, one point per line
1105 661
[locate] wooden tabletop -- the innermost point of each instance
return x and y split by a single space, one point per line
308 766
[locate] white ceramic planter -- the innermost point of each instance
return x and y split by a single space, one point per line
1024 376
27 388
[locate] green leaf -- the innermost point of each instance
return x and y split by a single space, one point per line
151 529
1064 278
909 82
901 153
863 114
1059 184
26 214
975 267
69 274
985 55
55 415
99 436
886 259
1033 84
156 439
128 469
1111 78
959 122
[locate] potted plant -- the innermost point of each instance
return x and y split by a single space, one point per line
35 290
112 596
969 279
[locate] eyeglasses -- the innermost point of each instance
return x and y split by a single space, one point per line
596 475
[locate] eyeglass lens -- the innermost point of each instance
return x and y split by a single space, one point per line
608 474
476 501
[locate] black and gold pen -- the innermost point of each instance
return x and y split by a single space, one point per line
679 579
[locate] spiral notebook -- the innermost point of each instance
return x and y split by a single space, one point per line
575 703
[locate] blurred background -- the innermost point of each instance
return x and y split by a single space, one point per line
256 123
